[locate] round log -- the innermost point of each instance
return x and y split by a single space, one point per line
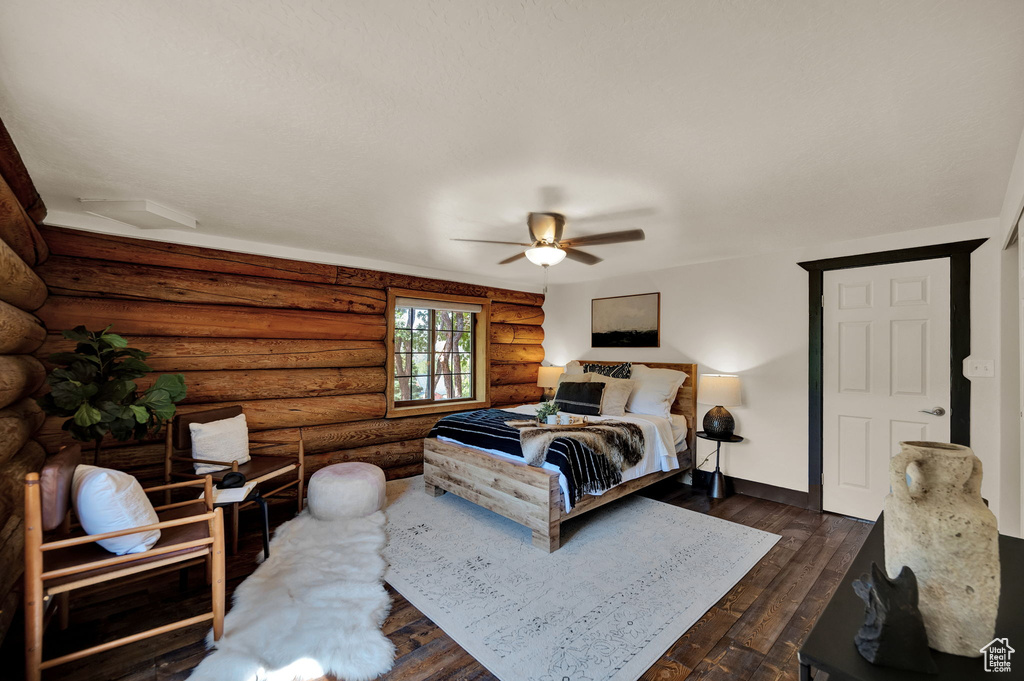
505 313
116 248
409 471
514 354
362 433
507 374
97 279
518 334
13 170
19 285
518 392
20 376
387 455
211 354
28 459
305 411
269 384
179 319
17 424
18 230
20 332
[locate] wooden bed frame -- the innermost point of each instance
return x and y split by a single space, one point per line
531 496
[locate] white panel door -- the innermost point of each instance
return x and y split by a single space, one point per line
886 363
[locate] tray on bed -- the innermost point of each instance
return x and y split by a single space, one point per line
537 424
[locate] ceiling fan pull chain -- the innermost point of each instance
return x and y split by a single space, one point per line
545 281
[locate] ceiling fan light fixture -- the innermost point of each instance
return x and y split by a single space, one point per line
545 255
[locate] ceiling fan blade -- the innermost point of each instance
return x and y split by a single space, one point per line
627 214
581 256
485 241
606 238
513 258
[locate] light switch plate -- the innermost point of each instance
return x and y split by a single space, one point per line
979 368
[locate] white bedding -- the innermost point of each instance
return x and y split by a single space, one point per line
662 438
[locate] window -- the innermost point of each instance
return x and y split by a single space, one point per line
437 359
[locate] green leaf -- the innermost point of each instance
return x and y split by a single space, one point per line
70 394
113 340
79 334
87 415
141 414
174 384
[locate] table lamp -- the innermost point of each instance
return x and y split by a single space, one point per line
721 390
547 378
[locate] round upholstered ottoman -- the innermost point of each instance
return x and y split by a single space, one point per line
346 490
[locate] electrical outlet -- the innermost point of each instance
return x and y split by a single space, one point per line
979 368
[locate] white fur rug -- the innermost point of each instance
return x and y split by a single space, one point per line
629 580
314 608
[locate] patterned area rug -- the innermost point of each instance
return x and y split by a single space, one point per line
629 580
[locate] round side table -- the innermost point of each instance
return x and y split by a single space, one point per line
717 488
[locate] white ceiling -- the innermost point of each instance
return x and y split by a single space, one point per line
373 131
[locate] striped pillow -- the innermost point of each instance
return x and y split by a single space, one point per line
624 370
580 398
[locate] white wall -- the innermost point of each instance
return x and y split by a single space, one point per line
749 316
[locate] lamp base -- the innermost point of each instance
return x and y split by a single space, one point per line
716 490
719 423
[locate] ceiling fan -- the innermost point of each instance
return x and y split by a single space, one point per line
547 247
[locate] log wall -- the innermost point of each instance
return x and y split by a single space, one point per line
22 250
300 345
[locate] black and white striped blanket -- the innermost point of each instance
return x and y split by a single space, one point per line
585 471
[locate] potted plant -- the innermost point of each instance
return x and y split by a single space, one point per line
94 386
546 409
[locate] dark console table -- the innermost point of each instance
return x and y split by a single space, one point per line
830 647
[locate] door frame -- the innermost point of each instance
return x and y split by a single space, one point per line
959 254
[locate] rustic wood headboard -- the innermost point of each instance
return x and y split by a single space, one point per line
686 398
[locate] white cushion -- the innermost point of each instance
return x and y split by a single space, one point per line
107 501
573 367
346 490
616 393
226 440
655 390
574 378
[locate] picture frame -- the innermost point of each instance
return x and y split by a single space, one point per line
632 321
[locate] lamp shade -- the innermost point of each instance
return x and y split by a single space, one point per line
545 255
721 390
547 377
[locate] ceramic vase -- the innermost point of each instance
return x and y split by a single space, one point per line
937 524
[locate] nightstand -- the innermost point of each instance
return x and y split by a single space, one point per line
717 488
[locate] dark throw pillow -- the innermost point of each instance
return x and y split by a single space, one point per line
580 398
624 370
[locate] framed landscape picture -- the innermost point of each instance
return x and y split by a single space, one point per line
626 321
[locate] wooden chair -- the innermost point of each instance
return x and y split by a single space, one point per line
191 533
260 467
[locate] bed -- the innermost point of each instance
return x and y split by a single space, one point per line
533 496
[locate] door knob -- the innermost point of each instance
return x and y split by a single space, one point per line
937 411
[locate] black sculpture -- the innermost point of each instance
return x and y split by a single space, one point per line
893 633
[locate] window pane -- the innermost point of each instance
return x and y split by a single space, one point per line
403 340
465 342
443 341
462 321
403 317
464 363
421 364
441 384
421 319
467 386
402 389
443 319
420 341
444 363
419 388
403 364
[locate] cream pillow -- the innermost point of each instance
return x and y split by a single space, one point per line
574 378
226 440
573 368
616 393
655 390
106 500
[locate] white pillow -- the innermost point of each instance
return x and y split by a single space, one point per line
226 440
107 501
573 367
616 393
655 390
574 378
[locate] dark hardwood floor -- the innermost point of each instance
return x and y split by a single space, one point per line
752 633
